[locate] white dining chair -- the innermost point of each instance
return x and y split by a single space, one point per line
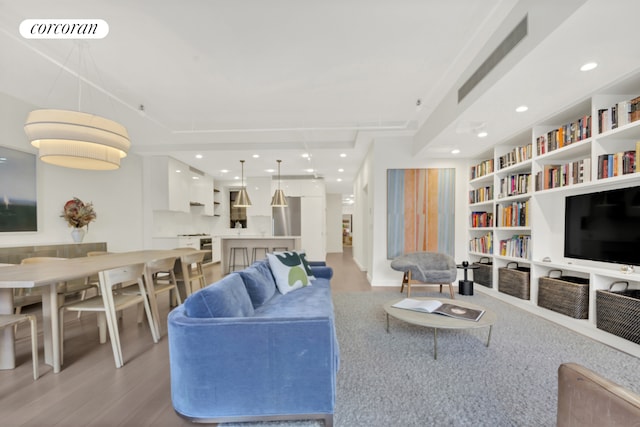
191 273
159 278
14 320
7 320
111 301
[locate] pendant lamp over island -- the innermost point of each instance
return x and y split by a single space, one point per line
279 199
243 200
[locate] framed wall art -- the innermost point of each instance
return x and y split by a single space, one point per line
420 211
18 200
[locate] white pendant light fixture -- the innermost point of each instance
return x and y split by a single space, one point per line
279 199
242 201
78 140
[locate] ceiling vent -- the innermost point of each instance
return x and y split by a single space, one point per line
507 45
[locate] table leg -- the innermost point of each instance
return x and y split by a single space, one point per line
489 338
387 322
7 337
435 343
51 327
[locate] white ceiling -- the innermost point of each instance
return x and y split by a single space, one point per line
279 78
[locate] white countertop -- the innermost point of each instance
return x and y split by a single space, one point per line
250 237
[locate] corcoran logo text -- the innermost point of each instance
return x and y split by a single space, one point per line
64 29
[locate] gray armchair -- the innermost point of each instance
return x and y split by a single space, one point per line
426 268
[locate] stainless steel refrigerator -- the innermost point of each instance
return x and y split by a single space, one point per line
286 221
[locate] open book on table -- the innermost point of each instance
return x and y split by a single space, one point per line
435 306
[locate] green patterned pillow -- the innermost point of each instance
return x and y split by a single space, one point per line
305 264
288 270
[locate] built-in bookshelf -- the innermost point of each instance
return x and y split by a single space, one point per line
516 211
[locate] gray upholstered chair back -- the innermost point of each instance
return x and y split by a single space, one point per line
427 267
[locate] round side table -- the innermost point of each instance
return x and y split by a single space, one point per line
465 286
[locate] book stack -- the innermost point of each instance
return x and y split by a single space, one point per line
515 156
482 244
481 169
518 246
481 194
481 219
553 176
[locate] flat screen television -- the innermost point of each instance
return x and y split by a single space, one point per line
604 226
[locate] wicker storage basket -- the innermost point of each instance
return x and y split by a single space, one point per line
483 275
514 280
564 294
618 312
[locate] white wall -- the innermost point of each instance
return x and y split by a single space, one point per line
395 153
116 195
334 222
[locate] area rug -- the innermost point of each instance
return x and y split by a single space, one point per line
392 379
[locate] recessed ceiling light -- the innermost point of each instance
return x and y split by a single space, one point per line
482 134
589 66
309 170
340 170
224 171
305 155
198 156
178 171
269 170
455 151
522 109
255 156
195 177
343 155
339 179
236 177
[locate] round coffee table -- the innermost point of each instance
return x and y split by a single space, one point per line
439 321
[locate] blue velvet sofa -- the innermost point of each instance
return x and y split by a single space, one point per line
242 351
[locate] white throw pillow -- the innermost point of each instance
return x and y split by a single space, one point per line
288 270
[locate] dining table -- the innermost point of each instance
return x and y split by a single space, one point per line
49 275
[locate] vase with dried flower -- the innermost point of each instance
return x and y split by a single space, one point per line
78 215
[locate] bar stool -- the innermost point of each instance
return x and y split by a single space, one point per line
244 253
280 249
254 253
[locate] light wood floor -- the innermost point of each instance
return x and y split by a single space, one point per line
90 391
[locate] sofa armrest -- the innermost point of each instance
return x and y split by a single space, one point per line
585 399
322 272
244 367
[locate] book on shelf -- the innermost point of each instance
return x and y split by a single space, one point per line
560 175
437 307
515 156
617 164
564 135
483 244
483 168
516 184
481 219
518 246
634 109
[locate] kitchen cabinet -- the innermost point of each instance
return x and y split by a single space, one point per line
170 184
201 192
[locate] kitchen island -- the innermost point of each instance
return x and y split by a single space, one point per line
254 241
